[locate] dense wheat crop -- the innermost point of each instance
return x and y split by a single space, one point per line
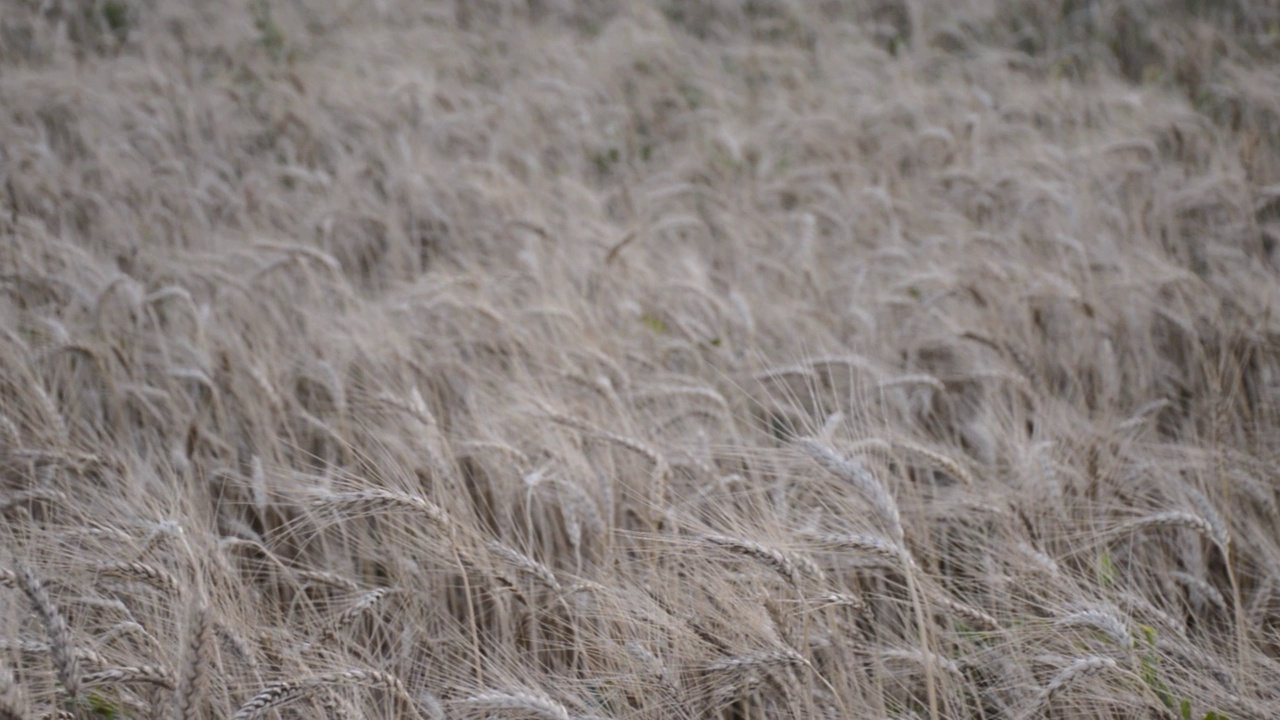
734 359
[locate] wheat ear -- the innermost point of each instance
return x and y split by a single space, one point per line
894 554
193 684
1172 518
287 691
973 615
526 564
379 500
323 577
149 674
857 474
64 660
520 701
773 559
11 700
149 574
1081 668
950 465
785 657
1104 622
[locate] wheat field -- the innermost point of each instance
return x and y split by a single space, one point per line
732 359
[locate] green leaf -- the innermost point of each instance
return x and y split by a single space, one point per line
103 706
1149 634
1106 570
654 323
1186 710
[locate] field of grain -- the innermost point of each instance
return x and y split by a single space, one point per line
731 359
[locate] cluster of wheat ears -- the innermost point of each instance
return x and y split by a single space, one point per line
706 359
